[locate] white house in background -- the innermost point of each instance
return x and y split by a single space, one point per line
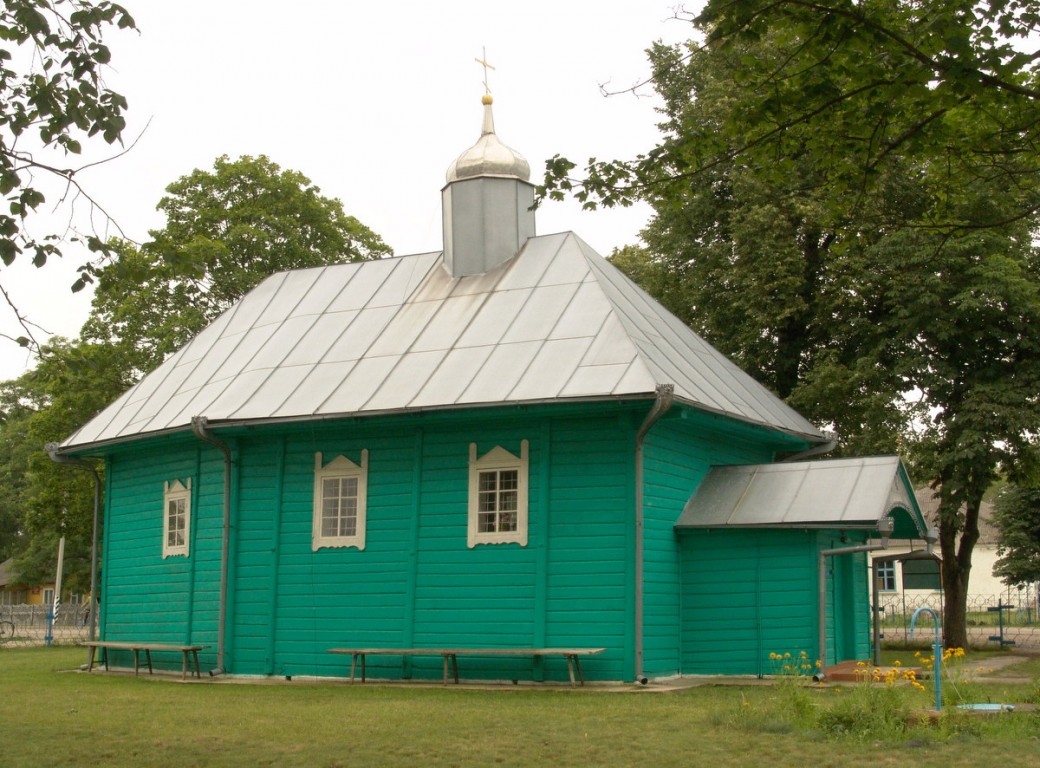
985 587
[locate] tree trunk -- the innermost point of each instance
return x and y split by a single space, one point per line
955 607
956 567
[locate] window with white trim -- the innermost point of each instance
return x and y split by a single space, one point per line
497 496
340 494
886 577
176 518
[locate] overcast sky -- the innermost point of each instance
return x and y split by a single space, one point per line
371 101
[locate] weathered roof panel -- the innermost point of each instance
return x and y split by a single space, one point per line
556 321
848 493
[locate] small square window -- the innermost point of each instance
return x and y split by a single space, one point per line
176 518
340 489
498 496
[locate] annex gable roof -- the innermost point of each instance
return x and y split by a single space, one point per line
827 493
554 323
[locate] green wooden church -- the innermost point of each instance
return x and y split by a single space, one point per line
505 444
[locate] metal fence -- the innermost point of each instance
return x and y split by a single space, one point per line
31 625
994 621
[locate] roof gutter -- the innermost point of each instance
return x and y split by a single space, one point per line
665 396
816 450
200 426
57 458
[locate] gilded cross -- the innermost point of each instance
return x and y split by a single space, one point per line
484 63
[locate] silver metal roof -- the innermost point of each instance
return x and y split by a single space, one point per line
848 493
556 322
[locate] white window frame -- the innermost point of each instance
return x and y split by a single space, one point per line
886 574
174 492
343 468
497 460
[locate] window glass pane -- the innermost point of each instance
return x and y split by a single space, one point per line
488 481
486 522
887 577
507 500
509 479
339 506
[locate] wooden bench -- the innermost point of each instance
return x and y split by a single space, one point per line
572 655
137 647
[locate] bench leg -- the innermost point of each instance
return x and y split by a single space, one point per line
148 658
184 666
90 658
570 667
353 665
454 667
198 670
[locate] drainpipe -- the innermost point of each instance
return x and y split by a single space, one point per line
663 401
57 458
885 527
200 426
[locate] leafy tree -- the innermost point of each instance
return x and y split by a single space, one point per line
841 219
52 94
226 230
858 87
71 382
13 463
1016 514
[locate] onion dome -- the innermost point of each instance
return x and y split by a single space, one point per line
489 156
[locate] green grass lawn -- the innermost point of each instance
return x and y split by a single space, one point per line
53 715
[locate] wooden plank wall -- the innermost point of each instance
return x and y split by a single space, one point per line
678 453
416 582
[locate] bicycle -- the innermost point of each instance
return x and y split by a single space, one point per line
6 629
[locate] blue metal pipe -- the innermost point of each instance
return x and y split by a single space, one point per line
937 666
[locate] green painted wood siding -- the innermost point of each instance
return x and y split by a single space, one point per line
747 593
678 453
590 554
143 595
416 582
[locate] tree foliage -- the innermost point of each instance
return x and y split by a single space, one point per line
858 87
71 382
1016 514
52 95
845 199
226 231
